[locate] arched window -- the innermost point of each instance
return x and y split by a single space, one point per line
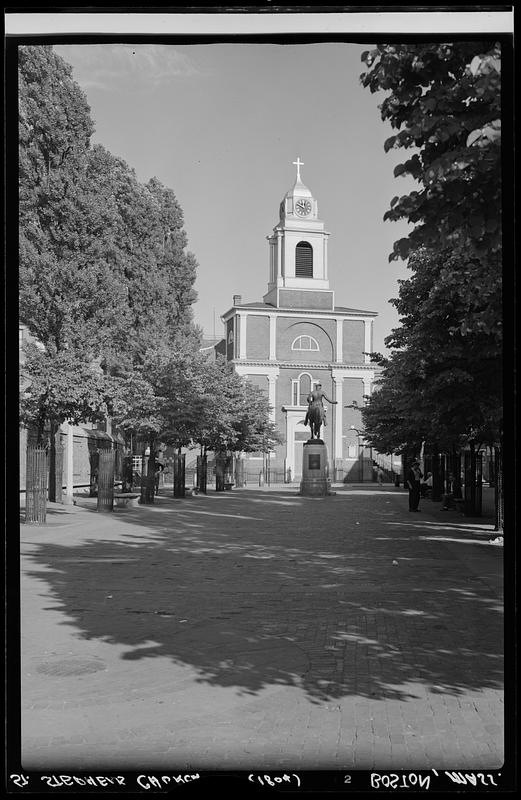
304 260
301 387
305 386
305 343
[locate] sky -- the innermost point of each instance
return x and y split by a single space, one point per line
222 124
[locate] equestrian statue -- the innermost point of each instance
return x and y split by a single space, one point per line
316 413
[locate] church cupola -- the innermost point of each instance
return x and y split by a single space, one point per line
298 202
298 276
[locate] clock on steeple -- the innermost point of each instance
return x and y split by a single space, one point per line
303 207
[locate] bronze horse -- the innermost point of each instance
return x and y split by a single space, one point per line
315 419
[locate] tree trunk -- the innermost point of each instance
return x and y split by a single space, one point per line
40 430
455 468
53 493
472 488
437 478
148 475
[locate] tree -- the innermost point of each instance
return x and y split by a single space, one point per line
58 386
393 419
217 408
445 100
103 267
105 279
54 126
442 383
255 430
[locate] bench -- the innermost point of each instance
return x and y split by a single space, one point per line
123 498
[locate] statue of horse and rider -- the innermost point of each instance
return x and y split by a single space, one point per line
316 413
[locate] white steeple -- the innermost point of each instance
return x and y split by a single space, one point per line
298 252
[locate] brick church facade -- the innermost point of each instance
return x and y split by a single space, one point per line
297 336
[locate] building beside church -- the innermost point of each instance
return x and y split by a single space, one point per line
297 337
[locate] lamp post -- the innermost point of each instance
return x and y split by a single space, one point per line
360 462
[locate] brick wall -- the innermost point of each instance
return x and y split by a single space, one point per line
258 337
287 332
353 341
293 298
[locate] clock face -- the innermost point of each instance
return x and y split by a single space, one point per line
303 207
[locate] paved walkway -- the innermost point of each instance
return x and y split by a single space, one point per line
256 629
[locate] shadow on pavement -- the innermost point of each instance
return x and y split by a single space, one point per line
337 596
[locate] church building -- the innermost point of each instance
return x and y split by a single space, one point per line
297 337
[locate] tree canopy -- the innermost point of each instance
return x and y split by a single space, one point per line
445 101
439 385
105 277
442 382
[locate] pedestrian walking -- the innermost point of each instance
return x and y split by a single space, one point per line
414 477
380 476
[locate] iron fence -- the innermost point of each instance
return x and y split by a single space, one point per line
106 481
36 485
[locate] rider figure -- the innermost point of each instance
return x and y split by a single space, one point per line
315 398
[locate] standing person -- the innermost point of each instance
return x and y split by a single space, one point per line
380 476
414 477
157 474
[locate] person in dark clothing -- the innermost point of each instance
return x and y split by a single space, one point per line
414 477
159 469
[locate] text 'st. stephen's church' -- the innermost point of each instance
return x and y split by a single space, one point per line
297 337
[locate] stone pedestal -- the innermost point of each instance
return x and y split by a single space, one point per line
314 481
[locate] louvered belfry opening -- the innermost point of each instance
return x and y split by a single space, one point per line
304 260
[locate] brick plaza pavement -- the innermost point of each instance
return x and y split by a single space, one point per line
257 629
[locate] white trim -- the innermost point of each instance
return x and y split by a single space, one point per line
242 335
308 349
367 340
353 372
294 415
339 340
279 257
324 255
248 368
273 336
338 417
347 370
272 395
294 282
304 312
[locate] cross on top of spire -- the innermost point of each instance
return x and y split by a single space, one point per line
298 163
